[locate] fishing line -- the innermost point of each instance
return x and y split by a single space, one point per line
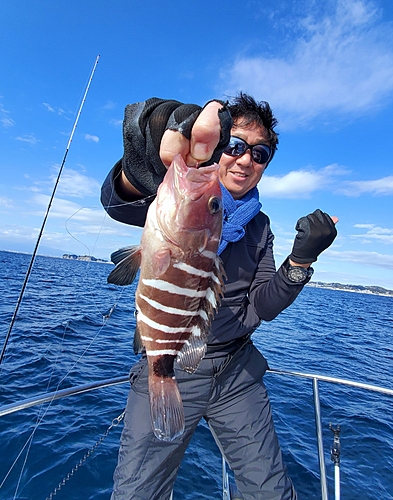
40 417
105 317
42 413
91 253
47 213
74 237
29 440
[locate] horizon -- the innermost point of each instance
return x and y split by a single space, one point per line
325 68
108 261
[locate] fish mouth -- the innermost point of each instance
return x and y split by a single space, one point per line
193 182
189 205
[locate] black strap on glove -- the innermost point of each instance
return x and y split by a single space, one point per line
143 127
316 232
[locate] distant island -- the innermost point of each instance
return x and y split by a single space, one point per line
88 258
374 290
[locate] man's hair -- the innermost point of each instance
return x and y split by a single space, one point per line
245 111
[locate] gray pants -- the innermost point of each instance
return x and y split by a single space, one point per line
233 400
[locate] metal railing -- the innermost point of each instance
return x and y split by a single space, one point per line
52 396
318 420
315 378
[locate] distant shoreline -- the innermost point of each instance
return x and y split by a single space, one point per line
87 258
367 289
371 290
66 256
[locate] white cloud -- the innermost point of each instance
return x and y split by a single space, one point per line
83 219
7 122
5 119
303 183
382 187
295 184
65 209
49 107
299 183
6 202
30 139
19 233
93 138
109 105
373 259
374 233
341 62
77 185
89 226
60 208
116 123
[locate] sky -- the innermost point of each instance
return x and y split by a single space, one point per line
326 68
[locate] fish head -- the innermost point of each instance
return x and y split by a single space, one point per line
189 206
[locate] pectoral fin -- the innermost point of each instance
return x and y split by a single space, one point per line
137 344
161 261
128 261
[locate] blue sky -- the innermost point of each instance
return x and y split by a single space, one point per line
326 68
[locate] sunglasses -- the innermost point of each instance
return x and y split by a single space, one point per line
260 153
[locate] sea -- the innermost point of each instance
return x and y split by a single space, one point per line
72 328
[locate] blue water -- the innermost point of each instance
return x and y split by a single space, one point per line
62 337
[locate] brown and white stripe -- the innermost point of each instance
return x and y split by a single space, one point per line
169 314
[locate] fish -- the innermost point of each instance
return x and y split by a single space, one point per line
181 283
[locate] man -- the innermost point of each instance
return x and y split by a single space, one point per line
227 388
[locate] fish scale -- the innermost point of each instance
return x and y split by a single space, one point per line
181 282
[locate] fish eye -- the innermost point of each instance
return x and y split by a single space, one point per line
214 204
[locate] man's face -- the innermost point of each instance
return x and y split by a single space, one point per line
240 174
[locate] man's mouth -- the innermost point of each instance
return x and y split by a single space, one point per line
239 174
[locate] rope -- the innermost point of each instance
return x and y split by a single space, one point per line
115 422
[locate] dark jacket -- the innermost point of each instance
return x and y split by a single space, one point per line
254 291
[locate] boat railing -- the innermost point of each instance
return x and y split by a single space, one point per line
315 379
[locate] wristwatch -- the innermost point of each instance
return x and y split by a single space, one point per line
298 274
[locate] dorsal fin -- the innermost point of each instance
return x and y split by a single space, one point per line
194 349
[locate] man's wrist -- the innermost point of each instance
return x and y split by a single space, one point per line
125 189
297 264
296 272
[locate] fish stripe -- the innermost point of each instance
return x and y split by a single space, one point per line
169 341
164 341
209 255
162 352
159 326
192 270
170 310
169 287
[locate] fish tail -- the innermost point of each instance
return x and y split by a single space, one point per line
166 408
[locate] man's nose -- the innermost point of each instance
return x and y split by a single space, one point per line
245 159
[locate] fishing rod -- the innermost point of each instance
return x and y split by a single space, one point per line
47 212
335 452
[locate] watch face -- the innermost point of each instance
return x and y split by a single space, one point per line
297 274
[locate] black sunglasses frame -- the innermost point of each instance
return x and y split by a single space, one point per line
229 150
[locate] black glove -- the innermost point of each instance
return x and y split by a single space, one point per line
315 233
143 127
